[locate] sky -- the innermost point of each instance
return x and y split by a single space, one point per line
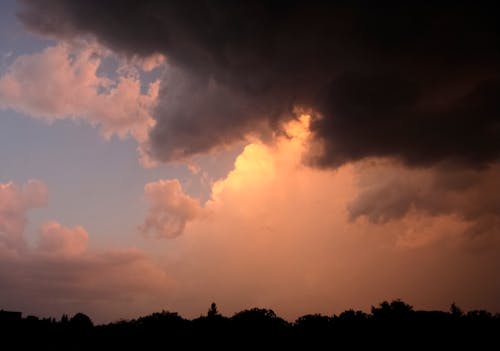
307 157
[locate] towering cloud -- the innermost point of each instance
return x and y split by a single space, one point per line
403 99
278 234
406 80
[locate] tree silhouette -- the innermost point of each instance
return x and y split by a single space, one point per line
81 321
352 316
390 325
455 310
212 311
396 310
64 319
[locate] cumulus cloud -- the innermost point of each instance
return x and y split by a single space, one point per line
402 80
55 239
387 87
169 209
415 84
64 81
278 234
15 202
60 275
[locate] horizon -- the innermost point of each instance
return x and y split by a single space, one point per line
213 310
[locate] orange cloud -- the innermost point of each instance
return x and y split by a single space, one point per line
282 235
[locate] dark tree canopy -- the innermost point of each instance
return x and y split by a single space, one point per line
390 325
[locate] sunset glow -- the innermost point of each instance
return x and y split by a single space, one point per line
305 159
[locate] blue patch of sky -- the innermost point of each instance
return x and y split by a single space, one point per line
14 39
109 67
92 182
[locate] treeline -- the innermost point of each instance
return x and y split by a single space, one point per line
391 325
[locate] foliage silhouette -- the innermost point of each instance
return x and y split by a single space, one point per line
212 312
390 325
81 321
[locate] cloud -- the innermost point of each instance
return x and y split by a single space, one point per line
279 234
15 202
410 81
200 115
55 239
148 63
404 107
169 209
275 233
64 82
389 191
106 284
60 275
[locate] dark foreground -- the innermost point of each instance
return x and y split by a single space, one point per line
392 325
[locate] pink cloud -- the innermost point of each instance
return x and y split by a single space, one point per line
64 82
169 209
149 63
115 283
15 202
60 275
56 239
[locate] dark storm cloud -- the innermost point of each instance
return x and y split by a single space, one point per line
415 81
197 114
389 192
